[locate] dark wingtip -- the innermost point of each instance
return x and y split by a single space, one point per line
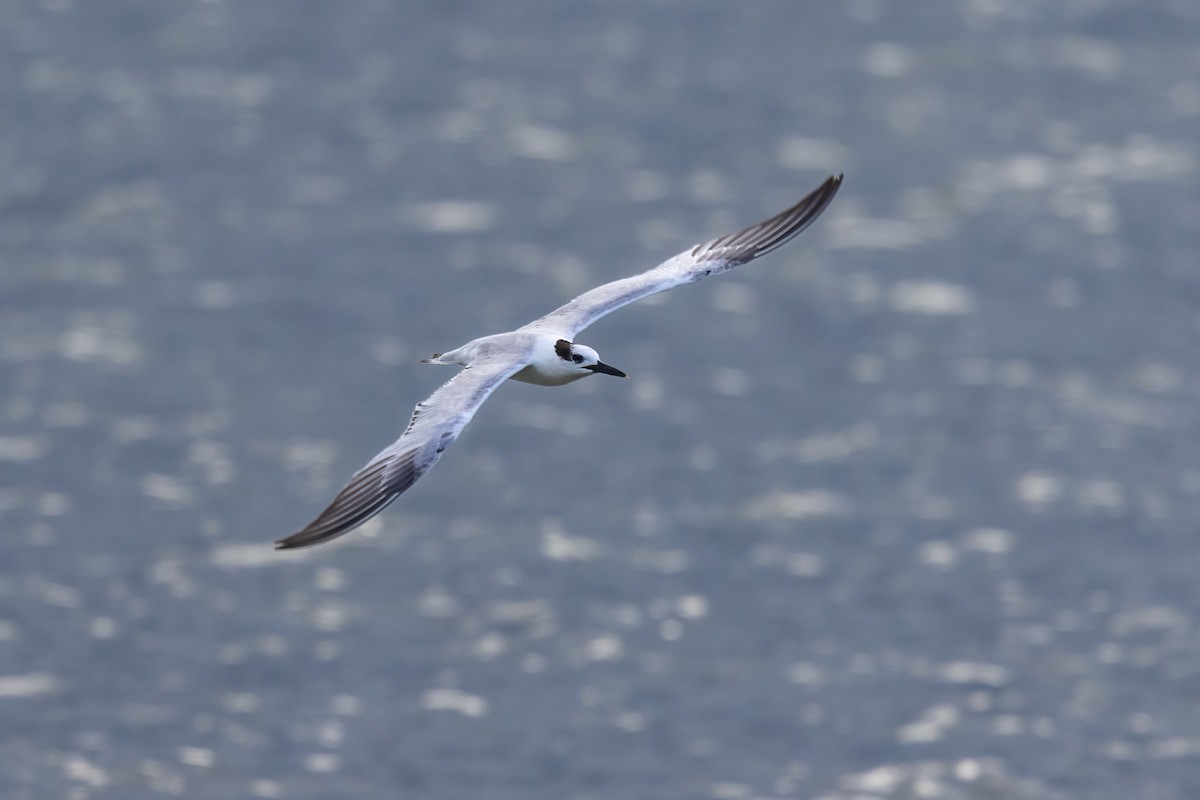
760 239
323 528
296 541
370 491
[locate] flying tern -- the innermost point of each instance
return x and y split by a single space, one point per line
543 352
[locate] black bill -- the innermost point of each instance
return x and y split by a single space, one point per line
600 366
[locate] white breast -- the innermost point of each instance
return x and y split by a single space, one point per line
546 377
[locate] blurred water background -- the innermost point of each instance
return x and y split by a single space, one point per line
907 510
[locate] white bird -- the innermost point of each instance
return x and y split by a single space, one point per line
542 352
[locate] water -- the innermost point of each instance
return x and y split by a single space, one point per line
906 510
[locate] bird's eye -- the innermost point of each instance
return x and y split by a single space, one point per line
578 359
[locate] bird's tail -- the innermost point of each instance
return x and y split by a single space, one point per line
441 358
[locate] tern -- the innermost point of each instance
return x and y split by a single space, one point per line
544 353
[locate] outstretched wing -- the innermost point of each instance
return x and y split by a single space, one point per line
435 424
719 255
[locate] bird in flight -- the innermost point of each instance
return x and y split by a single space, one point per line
543 352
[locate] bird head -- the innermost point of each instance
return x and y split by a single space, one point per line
585 360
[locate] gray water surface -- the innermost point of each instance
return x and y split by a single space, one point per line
906 510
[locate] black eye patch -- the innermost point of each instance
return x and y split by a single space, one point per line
578 359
